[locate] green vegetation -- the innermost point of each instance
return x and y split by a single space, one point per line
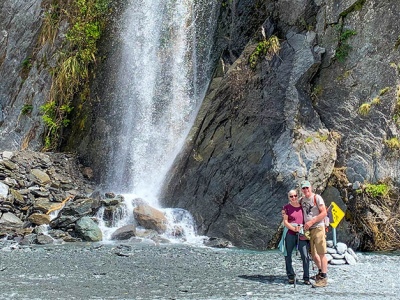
396 115
364 109
395 66
344 48
345 75
71 75
397 44
27 63
384 91
357 6
26 109
308 140
225 3
322 137
317 91
266 48
393 143
376 101
377 190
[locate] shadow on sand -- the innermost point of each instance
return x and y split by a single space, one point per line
265 278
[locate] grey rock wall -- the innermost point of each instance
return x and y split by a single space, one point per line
260 132
25 80
370 67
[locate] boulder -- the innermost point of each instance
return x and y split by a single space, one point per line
150 218
3 190
41 176
217 243
341 248
43 204
10 220
44 239
88 230
80 207
338 262
350 259
124 233
39 219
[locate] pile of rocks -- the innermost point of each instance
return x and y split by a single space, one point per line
340 254
48 197
33 184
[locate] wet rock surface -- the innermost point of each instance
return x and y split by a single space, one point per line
176 271
46 198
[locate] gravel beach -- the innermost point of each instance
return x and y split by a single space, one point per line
175 271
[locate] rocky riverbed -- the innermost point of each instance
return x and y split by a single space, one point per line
175 271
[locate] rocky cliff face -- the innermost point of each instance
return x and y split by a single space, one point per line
324 98
25 62
297 114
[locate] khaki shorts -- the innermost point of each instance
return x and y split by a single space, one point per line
318 240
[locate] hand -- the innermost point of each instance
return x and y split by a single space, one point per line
308 225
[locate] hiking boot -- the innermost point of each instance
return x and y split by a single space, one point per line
317 277
307 282
321 282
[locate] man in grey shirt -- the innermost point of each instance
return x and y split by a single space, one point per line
314 212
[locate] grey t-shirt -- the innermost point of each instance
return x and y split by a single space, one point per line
310 210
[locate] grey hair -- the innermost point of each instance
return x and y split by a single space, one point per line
290 192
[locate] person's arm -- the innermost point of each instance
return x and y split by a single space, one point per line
287 224
322 214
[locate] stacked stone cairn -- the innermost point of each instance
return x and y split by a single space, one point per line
340 254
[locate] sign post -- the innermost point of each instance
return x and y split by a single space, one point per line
335 216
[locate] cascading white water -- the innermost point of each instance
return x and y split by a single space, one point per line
162 78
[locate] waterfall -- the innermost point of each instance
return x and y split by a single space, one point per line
162 77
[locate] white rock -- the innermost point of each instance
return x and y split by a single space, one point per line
8 154
3 190
351 251
331 250
349 258
341 248
338 262
338 256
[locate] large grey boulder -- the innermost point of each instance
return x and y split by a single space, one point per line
124 233
88 230
10 220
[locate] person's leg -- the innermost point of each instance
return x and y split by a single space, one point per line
324 264
290 242
304 247
320 247
314 254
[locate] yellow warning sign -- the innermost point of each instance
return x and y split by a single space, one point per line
335 214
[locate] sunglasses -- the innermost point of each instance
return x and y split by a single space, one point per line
293 196
305 188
